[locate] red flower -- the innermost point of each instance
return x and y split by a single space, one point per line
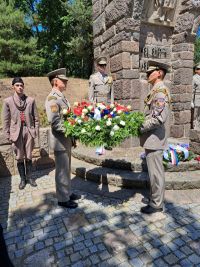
197 158
78 111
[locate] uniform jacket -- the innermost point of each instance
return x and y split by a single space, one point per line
157 109
100 88
196 90
55 103
12 122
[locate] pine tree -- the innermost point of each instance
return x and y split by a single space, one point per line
18 48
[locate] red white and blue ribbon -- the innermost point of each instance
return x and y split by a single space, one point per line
174 150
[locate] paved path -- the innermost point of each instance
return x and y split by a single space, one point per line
106 230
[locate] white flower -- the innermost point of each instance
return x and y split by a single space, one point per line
90 108
111 113
101 106
97 128
112 133
83 131
75 104
119 111
114 109
112 105
122 123
109 122
116 127
79 121
84 111
65 111
129 107
83 116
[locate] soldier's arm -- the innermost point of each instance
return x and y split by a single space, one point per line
159 114
194 87
6 118
91 90
54 116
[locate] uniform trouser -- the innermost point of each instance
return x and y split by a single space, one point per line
63 174
156 172
24 145
197 118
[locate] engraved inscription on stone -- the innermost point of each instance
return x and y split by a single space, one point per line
160 11
152 52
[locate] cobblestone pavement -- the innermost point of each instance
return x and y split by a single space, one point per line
106 230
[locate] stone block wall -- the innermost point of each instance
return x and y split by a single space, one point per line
195 141
129 41
41 159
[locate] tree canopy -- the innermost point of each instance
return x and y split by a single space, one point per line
37 36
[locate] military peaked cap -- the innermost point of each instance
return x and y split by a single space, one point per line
155 65
59 73
197 66
101 61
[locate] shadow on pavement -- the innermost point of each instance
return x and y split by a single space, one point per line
104 231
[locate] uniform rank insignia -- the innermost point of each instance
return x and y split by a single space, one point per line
160 103
52 98
54 108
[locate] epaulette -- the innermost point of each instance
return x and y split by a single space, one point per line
52 98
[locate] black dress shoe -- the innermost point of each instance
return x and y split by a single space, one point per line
149 210
32 182
74 197
22 184
68 204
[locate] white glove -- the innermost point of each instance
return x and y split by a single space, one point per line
192 104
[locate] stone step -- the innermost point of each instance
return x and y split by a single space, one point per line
127 159
130 179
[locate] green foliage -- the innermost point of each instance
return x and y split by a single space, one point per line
18 49
197 50
37 36
66 39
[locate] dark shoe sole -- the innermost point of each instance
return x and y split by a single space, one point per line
150 210
68 206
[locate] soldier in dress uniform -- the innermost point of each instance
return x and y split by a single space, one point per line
153 133
21 127
100 84
195 104
55 104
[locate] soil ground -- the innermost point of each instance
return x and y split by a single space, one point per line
39 88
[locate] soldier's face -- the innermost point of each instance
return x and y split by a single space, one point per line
153 76
197 71
61 84
18 88
101 68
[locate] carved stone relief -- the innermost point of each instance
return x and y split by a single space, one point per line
160 11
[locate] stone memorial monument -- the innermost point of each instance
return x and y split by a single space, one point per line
130 32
